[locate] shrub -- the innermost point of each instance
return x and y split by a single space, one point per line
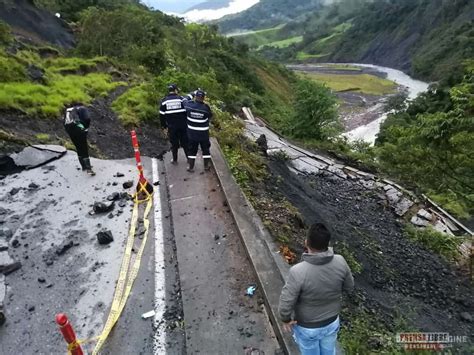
10 69
136 105
440 243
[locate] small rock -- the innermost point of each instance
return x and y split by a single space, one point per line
49 285
7 269
122 203
3 319
3 245
41 280
419 222
33 186
14 191
216 237
64 248
105 237
466 317
6 233
127 184
31 308
424 214
15 243
100 207
115 183
114 197
119 175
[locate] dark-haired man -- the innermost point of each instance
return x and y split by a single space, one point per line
76 122
313 293
199 115
173 117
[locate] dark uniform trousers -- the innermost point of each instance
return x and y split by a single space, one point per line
194 146
79 139
178 138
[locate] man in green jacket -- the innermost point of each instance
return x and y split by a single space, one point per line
313 292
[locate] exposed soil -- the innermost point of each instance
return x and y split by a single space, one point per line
35 25
400 280
107 137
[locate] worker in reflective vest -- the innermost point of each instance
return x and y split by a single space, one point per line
198 115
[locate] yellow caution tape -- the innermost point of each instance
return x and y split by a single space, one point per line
124 283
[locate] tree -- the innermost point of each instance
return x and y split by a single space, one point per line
315 112
433 150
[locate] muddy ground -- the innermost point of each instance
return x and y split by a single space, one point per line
401 285
107 137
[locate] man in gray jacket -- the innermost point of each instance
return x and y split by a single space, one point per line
313 292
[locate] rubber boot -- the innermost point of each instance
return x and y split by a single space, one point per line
174 151
191 165
83 165
207 164
87 163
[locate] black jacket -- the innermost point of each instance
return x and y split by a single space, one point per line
199 115
172 112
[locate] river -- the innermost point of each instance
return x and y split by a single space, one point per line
368 132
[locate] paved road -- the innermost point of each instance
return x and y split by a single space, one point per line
214 269
194 266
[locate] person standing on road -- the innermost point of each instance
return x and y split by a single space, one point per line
313 291
77 122
173 117
199 115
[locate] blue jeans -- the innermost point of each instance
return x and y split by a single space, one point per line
317 341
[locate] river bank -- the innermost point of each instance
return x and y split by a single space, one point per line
363 108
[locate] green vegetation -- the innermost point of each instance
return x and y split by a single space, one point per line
242 155
5 35
257 17
37 99
364 83
314 112
434 37
364 335
256 39
10 69
43 137
343 249
285 42
440 243
300 55
429 144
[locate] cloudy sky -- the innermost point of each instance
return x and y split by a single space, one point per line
173 6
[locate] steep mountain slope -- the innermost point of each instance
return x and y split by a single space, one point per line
268 13
427 38
129 45
34 24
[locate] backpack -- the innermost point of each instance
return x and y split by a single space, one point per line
72 116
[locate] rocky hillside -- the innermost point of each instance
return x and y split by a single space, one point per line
124 56
35 25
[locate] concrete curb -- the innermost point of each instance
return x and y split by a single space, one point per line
270 268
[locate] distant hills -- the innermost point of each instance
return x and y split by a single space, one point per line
210 5
427 38
268 13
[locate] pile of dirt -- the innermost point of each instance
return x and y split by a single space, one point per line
399 279
107 137
35 25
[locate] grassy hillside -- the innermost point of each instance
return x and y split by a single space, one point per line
426 38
